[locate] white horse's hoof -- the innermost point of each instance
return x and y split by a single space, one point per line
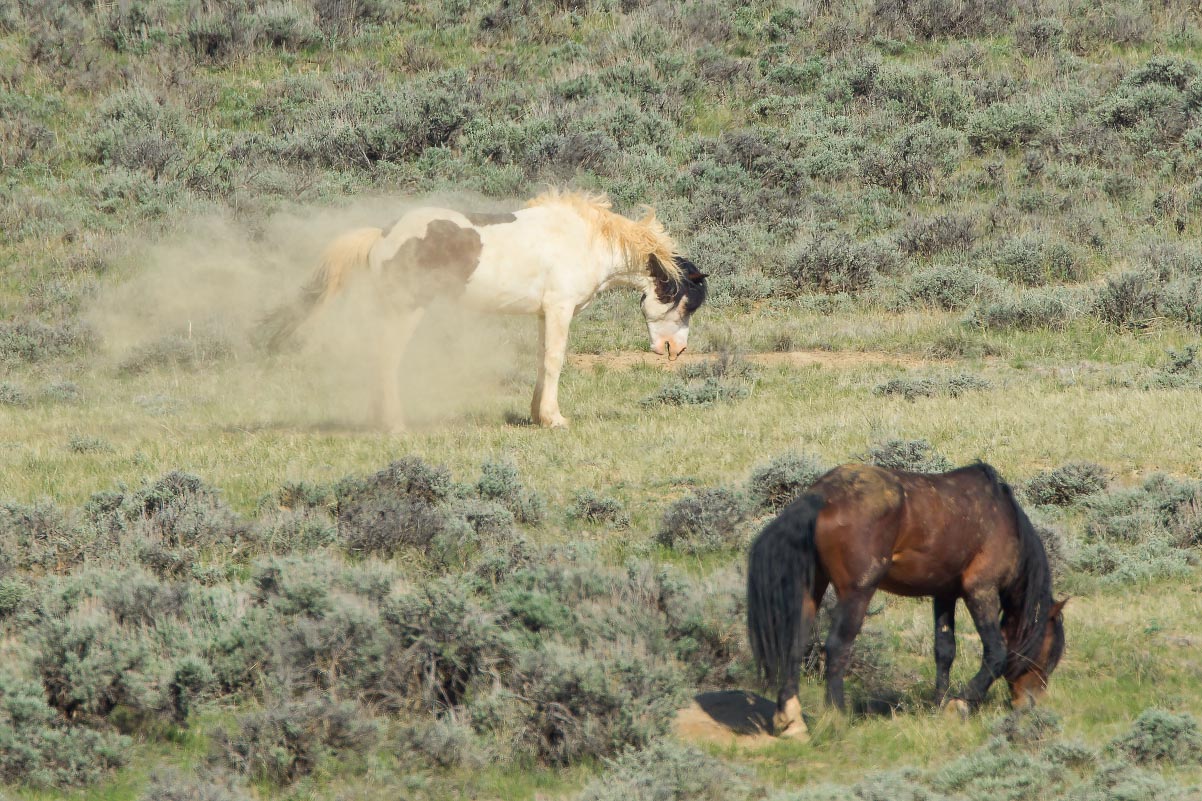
555 421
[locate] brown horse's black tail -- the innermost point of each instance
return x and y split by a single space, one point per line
780 575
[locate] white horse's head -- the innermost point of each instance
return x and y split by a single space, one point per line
669 305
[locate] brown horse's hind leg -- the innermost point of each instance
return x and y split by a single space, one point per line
849 617
945 644
788 721
986 609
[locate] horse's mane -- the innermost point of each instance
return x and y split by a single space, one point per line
638 239
1028 599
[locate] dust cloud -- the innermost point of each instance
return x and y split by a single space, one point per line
195 301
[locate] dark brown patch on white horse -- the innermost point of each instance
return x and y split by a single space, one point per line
671 305
439 263
483 218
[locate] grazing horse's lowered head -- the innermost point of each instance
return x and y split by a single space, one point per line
670 304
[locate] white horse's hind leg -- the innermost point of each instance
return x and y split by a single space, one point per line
554 339
395 333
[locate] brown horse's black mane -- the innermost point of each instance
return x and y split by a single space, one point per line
1027 601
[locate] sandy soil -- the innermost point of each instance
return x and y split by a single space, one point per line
725 718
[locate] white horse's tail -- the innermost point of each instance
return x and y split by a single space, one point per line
345 255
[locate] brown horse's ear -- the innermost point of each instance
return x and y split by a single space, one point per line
696 276
1057 607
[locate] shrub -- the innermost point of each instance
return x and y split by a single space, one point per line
210 785
705 626
593 508
1006 125
39 748
1056 546
916 455
1053 308
445 743
707 520
135 131
1064 485
1041 36
499 482
835 262
938 19
1182 301
284 26
725 365
40 536
928 387
911 161
178 352
443 641
926 236
1162 506
180 510
920 94
1129 300
591 704
696 393
30 340
1027 727
289 740
773 485
14 592
13 395
401 505
360 128
668 771
60 392
948 287
1034 259
89 666
1161 736
295 530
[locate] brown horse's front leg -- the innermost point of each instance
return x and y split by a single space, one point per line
945 645
986 610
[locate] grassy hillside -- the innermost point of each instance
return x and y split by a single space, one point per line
937 232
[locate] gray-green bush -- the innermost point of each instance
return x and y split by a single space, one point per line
707 520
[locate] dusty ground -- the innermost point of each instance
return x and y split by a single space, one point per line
726 718
796 358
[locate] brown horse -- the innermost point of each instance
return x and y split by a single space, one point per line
948 536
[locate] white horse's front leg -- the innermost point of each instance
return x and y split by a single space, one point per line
554 340
536 404
395 333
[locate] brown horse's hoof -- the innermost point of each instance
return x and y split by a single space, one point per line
957 708
796 730
789 722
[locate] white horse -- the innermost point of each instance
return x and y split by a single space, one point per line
550 258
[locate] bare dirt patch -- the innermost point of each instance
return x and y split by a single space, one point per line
729 717
795 358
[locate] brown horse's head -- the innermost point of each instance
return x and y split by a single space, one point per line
1029 682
